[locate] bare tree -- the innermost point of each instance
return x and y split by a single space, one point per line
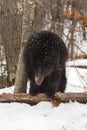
11 20
21 76
57 12
76 19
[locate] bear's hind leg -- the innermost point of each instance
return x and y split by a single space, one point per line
62 83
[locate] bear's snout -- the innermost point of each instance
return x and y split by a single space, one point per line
39 79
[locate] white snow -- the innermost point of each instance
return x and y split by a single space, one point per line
43 116
7 90
69 116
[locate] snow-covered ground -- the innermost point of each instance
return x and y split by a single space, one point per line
17 116
76 77
43 116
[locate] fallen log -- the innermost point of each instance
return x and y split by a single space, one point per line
32 100
23 98
79 66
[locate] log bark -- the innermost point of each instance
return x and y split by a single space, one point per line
22 98
79 66
32 100
21 76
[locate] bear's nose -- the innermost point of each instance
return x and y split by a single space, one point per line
39 79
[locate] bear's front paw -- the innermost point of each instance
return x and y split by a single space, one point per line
34 91
50 94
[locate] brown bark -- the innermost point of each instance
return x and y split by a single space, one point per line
79 66
59 97
11 30
57 22
21 76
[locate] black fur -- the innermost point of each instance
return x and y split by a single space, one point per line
45 54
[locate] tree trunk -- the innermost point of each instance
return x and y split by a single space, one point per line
11 34
21 76
84 32
57 8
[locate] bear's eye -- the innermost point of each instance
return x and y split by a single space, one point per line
59 68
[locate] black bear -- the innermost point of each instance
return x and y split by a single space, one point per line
44 56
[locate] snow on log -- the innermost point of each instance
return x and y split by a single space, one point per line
32 100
